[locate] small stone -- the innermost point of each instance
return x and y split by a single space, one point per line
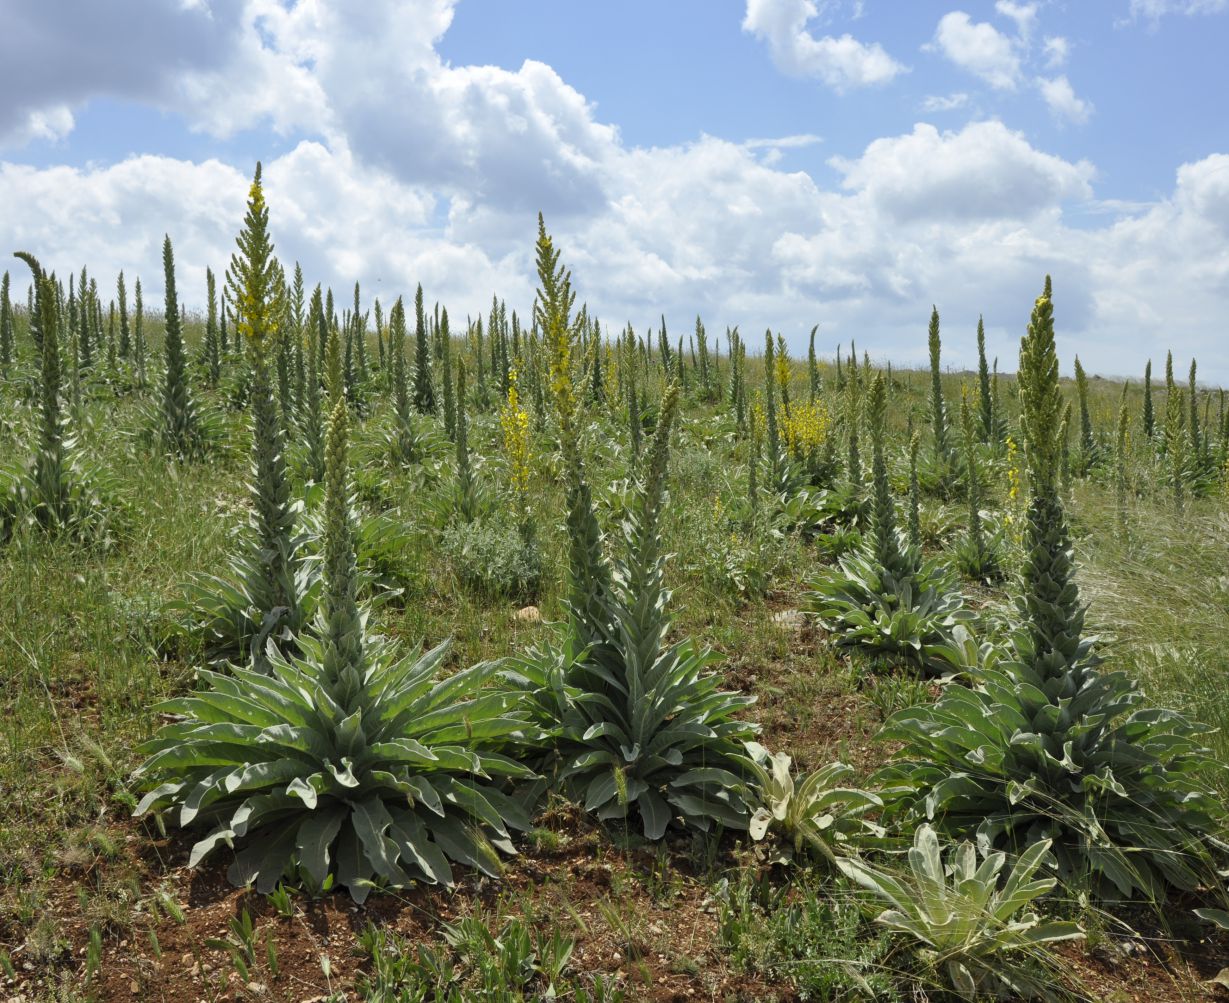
791 618
135 987
529 614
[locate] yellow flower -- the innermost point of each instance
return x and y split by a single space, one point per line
514 423
805 429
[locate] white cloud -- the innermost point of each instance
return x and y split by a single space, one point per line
58 55
980 48
1156 9
52 124
1057 49
420 170
841 63
999 59
1023 14
983 171
1062 100
950 102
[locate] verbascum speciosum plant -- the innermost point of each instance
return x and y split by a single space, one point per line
514 428
886 599
139 347
466 498
969 931
1044 745
978 555
53 490
1089 453
640 726
424 389
938 409
182 431
267 595
125 332
1174 440
349 764
311 425
1149 415
985 399
412 439
210 348
6 328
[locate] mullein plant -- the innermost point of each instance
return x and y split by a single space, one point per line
466 498
944 456
915 490
813 381
886 600
450 399
311 422
640 727
1174 441
139 347
6 328
268 595
1090 454
985 398
210 348
1149 415
350 764
1121 477
424 389
181 427
54 491
411 440
1044 745
125 331
978 555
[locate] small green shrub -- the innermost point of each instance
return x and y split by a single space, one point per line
492 558
811 937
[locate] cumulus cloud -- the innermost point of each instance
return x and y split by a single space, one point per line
970 218
984 171
1056 49
980 48
1061 99
840 62
60 55
999 59
1023 14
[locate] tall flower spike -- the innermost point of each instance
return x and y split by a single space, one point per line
342 627
253 275
1050 598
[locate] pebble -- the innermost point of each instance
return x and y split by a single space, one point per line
791 618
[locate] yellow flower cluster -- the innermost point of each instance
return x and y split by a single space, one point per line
559 345
1013 517
514 422
805 428
783 372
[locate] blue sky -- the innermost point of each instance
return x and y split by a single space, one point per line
765 163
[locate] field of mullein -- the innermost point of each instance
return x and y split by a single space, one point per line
351 651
